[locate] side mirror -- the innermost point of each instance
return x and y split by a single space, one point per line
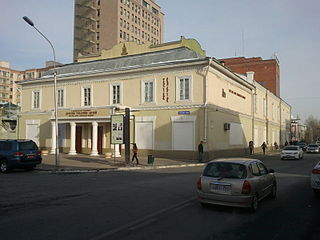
270 171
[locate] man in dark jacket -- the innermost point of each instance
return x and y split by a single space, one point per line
200 151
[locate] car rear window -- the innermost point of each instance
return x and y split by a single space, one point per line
225 170
313 145
290 148
27 146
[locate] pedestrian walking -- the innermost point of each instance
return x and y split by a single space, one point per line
251 146
264 146
135 153
200 151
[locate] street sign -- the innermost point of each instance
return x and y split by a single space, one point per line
116 129
184 113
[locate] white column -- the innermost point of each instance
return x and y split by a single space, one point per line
53 138
73 139
94 151
115 150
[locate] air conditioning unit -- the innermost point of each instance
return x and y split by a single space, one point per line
227 126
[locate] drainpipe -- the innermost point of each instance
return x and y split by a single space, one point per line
280 115
250 78
205 103
267 122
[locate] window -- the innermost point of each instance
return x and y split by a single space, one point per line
262 168
116 91
254 169
183 88
148 91
87 96
60 97
36 99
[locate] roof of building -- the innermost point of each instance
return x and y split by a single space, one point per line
151 59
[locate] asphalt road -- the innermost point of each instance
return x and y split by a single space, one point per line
152 204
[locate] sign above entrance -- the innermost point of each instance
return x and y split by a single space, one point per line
117 129
81 113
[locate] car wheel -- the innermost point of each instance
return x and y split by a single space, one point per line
204 205
273 193
254 203
316 191
4 168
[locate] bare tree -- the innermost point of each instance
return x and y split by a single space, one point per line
313 129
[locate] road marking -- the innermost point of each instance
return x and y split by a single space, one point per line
143 221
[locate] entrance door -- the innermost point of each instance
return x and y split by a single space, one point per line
78 139
144 135
183 136
100 137
33 132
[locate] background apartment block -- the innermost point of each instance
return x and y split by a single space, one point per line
267 72
10 90
101 24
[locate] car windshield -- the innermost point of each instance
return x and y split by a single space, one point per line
225 170
313 145
291 148
29 145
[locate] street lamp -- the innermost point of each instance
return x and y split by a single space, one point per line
28 20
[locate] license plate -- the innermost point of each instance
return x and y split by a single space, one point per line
220 188
30 157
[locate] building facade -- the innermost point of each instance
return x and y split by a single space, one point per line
101 24
177 96
267 72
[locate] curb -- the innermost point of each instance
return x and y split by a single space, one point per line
70 171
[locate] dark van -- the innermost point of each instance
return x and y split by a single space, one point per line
18 154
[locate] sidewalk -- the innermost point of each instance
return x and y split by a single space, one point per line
85 163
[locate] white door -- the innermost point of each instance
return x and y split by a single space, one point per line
33 132
183 136
144 135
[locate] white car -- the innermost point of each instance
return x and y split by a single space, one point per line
291 152
313 148
315 178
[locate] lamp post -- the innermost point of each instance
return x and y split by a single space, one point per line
28 20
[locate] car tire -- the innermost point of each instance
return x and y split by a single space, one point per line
254 203
204 205
273 193
316 191
4 168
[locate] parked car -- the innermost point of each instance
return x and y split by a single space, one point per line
315 178
18 154
237 182
313 148
291 152
302 145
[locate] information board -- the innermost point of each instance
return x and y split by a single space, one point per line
117 129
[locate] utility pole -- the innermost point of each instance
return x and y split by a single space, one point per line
127 135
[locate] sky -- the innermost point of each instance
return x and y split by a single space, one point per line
289 29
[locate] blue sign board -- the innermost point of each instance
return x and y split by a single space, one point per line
184 112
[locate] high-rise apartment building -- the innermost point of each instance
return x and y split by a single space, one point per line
101 24
10 90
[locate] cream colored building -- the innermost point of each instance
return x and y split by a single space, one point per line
177 96
101 24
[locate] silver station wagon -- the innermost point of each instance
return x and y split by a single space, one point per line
237 182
